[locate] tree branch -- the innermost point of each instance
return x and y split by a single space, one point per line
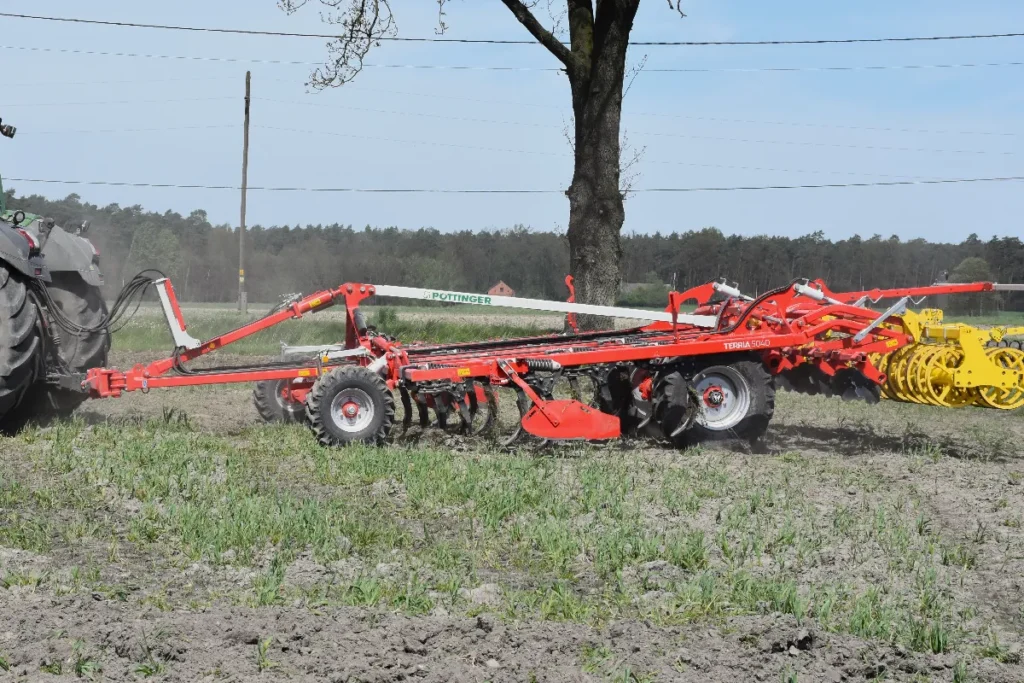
543 36
361 23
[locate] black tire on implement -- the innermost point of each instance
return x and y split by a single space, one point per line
343 387
20 344
271 405
674 406
82 304
753 426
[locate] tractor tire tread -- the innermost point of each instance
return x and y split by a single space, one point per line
20 346
339 378
270 409
84 305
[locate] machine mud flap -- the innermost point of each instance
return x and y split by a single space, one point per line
570 420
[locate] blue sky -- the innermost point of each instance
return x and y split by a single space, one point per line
408 128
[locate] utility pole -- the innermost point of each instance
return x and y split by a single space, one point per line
242 303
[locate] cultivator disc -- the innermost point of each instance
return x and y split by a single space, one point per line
848 384
475 406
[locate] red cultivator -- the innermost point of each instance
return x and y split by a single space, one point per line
682 377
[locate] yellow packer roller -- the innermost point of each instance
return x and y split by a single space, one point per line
954 365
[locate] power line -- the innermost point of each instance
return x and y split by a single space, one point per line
531 124
107 102
537 105
679 116
353 190
528 124
527 69
489 41
803 143
44 84
233 60
800 124
730 167
92 131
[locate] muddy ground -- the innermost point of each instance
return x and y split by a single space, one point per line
90 591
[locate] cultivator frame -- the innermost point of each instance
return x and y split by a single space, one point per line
680 376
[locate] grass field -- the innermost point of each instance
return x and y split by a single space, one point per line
170 536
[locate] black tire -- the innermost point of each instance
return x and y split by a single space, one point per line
674 407
20 345
754 423
272 407
358 385
83 305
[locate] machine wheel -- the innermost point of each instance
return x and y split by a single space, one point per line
272 406
20 344
350 404
83 304
674 407
735 401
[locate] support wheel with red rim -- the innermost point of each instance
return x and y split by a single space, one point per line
350 404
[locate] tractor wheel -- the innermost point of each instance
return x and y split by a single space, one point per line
272 406
350 404
20 344
735 402
83 305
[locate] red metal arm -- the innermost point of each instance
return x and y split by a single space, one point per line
927 290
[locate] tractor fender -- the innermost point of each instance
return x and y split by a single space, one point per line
67 253
14 251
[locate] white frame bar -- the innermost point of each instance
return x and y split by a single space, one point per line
705 321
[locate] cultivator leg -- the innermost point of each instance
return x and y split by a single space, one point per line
476 406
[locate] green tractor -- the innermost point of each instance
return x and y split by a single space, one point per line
53 319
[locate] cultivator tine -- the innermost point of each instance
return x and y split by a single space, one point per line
421 409
475 400
406 408
574 388
522 406
467 406
441 409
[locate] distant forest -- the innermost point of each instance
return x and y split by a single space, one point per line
202 258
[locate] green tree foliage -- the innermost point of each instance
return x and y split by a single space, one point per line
203 258
973 269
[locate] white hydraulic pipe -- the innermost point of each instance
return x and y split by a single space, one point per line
706 321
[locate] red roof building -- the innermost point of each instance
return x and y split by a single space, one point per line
501 289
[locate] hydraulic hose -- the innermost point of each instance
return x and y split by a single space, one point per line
116 318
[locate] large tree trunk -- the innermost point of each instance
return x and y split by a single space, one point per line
596 210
